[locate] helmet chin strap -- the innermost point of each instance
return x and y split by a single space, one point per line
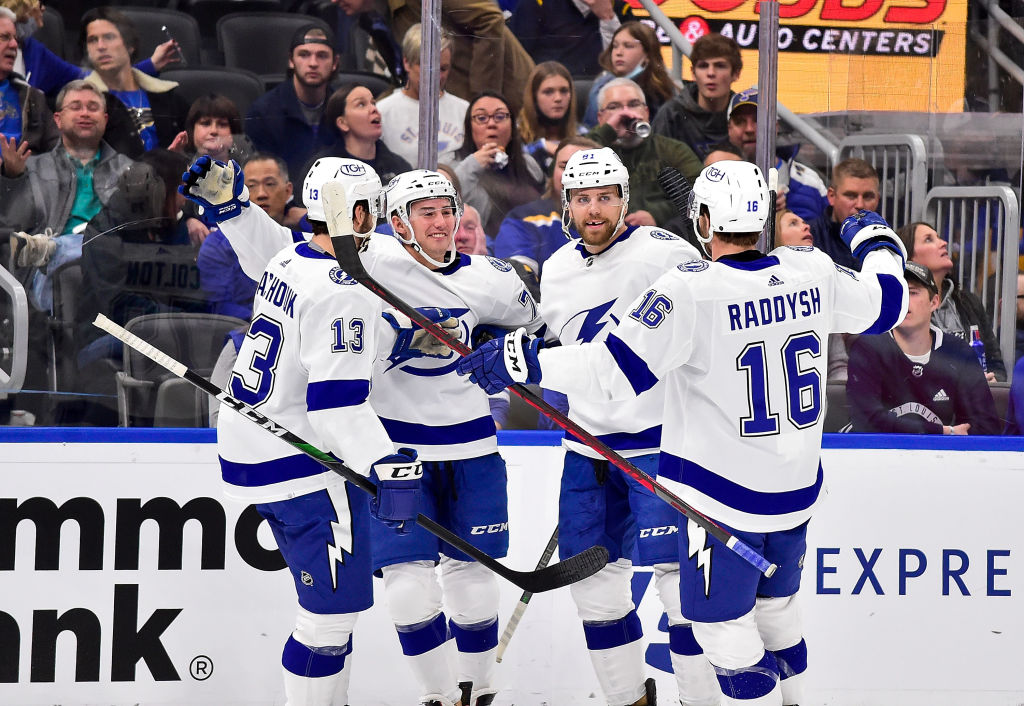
704 241
566 222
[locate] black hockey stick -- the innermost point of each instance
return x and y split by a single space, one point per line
575 568
339 224
676 188
773 192
524 600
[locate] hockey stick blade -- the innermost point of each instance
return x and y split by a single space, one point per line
524 600
573 569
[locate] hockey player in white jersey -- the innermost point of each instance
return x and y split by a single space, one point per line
741 345
449 425
306 363
588 284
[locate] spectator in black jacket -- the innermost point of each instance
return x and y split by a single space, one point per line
356 124
854 188
573 33
959 310
289 120
915 379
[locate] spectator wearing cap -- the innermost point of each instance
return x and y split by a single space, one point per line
800 188
289 120
915 379
144 112
854 188
697 114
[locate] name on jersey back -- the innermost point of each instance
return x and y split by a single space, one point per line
277 292
766 311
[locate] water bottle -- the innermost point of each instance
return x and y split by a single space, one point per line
979 347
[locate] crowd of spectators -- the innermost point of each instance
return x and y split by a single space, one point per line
88 155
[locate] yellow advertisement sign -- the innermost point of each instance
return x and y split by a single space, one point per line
837 55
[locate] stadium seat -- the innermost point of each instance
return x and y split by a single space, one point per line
837 409
375 82
149 23
148 395
259 41
242 87
51 34
582 85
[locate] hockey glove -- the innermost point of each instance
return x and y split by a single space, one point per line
503 361
398 479
865 231
414 342
217 187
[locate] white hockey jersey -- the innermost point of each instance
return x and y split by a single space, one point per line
583 298
423 403
741 346
306 364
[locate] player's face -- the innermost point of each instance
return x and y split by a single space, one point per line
553 96
433 225
267 188
82 117
743 129
212 136
930 250
361 119
561 159
312 63
852 194
8 47
595 215
793 231
920 305
714 76
627 53
493 130
105 47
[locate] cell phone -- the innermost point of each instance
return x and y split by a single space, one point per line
177 47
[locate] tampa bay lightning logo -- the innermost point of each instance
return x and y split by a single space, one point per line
593 322
663 235
499 265
693 266
397 359
338 276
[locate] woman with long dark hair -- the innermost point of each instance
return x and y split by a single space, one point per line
549 111
634 53
496 173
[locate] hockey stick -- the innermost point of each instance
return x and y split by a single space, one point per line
524 600
339 224
773 192
575 568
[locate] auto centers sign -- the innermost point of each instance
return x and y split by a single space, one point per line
837 55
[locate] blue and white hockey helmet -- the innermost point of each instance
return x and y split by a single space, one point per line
419 184
587 169
736 196
361 184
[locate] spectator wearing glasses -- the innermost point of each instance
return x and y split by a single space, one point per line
26 123
634 53
622 105
495 172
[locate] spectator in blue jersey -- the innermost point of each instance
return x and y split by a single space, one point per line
959 310
853 188
26 122
916 379
571 33
145 112
634 53
45 70
697 114
532 232
354 120
803 190
289 120
549 112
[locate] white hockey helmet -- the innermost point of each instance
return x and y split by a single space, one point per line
361 184
586 169
419 184
736 196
